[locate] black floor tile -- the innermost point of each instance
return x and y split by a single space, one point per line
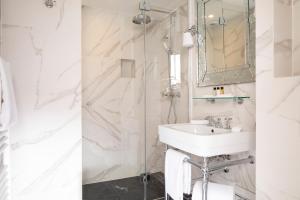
125 189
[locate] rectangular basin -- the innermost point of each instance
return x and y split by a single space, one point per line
206 141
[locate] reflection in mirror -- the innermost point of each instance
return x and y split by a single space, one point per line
226 37
226 34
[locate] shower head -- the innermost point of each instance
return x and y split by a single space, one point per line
50 3
141 18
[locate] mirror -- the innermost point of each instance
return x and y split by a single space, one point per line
226 42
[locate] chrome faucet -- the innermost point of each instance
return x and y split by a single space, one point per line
213 122
228 123
218 122
210 120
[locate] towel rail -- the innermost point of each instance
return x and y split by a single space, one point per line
208 169
193 163
222 166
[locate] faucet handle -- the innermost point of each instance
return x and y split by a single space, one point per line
210 120
228 122
207 117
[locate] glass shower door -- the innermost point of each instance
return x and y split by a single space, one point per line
166 80
129 89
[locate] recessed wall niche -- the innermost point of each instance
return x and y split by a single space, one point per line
127 68
286 38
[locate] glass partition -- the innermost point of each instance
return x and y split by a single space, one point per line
134 79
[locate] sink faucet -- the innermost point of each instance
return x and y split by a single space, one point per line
213 122
218 122
210 119
228 122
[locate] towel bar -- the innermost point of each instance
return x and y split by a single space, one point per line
207 169
223 165
190 197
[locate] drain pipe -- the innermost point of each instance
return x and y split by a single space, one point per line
191 54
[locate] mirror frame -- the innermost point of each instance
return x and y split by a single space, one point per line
235 75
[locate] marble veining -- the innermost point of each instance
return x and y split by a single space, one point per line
61 14
277 114
45 56
113 106
286 44
44 135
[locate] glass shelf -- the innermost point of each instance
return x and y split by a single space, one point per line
212 99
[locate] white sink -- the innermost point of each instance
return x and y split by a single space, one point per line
205 141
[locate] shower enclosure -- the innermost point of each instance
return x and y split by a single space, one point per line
134 79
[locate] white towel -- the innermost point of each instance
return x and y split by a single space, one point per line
8 108
215 191
177 174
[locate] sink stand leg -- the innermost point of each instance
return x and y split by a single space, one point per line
205 173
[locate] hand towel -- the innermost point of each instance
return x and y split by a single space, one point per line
215 191
177 175
8 112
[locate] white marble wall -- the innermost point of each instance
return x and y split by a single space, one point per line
43 48
278 116
113 106
286 38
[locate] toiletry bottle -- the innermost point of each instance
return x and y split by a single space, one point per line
218 91
222 91
215 91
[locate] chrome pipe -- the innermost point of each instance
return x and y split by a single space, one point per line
161 11
205 172
226 164
194 163
208 170
222 166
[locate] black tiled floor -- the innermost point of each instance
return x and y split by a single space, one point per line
125 189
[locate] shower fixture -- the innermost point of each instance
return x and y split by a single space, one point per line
141 18
50 3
